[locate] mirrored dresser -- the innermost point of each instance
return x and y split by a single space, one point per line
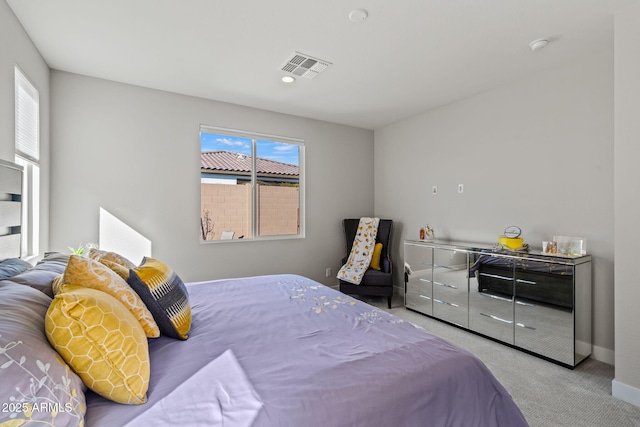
532 301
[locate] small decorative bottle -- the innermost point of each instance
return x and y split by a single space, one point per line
428 233
422 234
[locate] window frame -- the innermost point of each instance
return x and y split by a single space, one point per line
255 137
27 154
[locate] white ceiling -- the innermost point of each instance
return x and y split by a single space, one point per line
408 57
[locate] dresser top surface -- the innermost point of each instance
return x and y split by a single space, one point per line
494 250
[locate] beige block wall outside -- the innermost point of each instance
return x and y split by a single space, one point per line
229 207
279 210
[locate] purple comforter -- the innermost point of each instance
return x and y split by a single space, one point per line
287 351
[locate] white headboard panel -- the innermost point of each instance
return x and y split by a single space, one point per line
10 209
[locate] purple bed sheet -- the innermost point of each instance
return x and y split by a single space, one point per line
284 350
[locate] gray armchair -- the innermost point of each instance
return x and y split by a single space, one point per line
374 282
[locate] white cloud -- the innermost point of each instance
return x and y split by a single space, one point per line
285 147
232 142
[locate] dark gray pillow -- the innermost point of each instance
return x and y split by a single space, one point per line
12 266
36 373
55 257
41 276
165 295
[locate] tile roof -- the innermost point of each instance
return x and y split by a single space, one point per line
235 162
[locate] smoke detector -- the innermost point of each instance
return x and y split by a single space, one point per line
304 65
358 15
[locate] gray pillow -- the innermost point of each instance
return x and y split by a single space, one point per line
12 266
37 386
41 276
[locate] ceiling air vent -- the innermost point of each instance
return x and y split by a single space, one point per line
306 66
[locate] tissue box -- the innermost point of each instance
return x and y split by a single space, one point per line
571 245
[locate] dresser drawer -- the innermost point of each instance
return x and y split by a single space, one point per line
545 330
418 257
418 301
418 294
450 311
451 286
491 315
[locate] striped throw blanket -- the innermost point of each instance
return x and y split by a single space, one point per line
361 251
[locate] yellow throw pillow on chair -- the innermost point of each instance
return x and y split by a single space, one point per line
375 258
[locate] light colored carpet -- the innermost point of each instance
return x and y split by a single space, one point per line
548 395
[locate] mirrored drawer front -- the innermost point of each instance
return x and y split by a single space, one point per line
420 284
453 280
450 259
459 292
491 315
418 301
547 288
451 311
424 275
418 257
545 329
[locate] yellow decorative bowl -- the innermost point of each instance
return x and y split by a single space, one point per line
511 242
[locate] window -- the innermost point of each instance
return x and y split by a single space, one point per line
251 185
28 156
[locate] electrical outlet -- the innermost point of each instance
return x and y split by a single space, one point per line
460 188
434 190
327 272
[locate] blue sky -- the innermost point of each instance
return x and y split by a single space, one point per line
278 151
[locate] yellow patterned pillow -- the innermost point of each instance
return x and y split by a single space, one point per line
120 270
102 342
86 272
57 284
165 295
100 255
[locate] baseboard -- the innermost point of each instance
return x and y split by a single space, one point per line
603 355
625 392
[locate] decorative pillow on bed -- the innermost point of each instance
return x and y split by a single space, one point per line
120 270
42 275
100 255
102 341
57 283
165 295
55 257
92 274
37 387
375 257
11 266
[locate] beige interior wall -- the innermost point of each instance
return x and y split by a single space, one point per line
536 153
135 152
16 48
626 385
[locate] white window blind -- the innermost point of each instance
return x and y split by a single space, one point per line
27 118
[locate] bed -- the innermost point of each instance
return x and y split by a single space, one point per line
279 350
286 351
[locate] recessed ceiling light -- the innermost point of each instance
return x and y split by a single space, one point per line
539 44
358 15
288 79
